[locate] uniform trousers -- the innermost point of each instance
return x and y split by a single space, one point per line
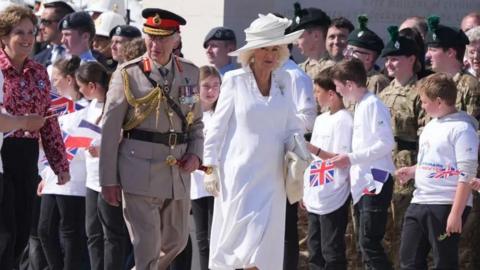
423 226
61 228
371 213
108 240
326 239
158 229
19 157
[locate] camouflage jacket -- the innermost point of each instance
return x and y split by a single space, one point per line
313 67
405 108
468 95
376 81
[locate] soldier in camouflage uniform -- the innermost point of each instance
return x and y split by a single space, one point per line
365 45
312 42
404 103
446 48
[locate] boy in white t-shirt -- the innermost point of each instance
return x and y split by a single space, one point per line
327 190
370 161
447 162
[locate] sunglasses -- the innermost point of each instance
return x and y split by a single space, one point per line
47 22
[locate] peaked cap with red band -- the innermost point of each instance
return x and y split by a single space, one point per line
160 22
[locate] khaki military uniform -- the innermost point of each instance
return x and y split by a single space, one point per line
406 112
156 194
468 95
376 81
405 109
313 67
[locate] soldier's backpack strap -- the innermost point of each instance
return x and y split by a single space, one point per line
173 105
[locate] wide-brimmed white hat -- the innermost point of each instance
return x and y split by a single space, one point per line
267 30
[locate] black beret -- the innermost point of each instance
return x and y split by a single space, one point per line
161 22
443 36
78 20
399 45
219 33
128 31
365 38
304 18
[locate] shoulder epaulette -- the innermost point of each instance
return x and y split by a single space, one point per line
131 63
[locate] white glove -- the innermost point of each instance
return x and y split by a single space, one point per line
296 143
211 182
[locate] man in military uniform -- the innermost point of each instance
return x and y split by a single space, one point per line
446 48
147 166
337 35
312 42
366 45
217 44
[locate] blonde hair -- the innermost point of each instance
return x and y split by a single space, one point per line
134 48
246 57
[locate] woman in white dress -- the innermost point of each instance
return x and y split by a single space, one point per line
245 147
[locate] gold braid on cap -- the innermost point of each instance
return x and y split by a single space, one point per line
143 106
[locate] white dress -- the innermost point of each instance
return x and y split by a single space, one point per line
246 140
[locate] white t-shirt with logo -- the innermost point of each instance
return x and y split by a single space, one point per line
443 143
372 143
325 188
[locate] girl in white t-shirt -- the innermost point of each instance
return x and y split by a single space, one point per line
202 201
61 224
326 189
107 235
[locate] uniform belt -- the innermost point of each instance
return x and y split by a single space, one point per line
169 138
406 145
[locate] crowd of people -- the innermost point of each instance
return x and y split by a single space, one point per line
234 143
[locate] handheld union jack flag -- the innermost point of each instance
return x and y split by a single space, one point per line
62 105
321 172
73 143
444 173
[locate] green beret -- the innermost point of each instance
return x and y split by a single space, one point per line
365 38
443 36
399 45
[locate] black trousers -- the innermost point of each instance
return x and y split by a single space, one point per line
371 213
202 210
423 225
108 239
20 157
291 249
326 239
61 229
33 257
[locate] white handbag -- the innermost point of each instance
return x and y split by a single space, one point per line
297 159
